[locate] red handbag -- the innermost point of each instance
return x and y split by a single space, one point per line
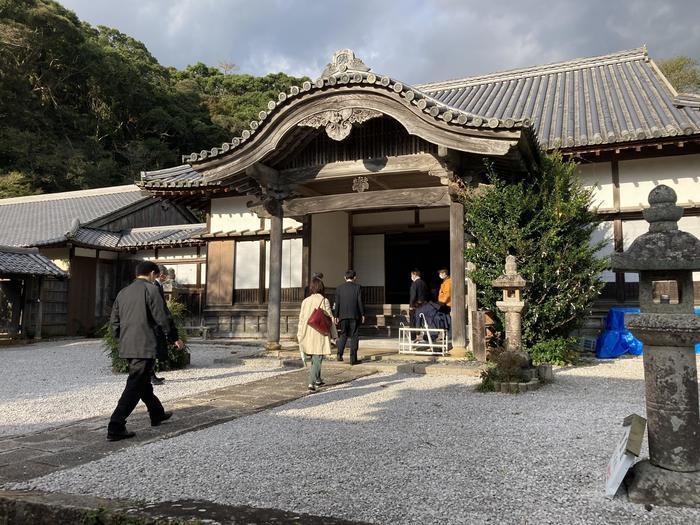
320 321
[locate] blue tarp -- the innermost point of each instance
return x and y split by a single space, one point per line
616 340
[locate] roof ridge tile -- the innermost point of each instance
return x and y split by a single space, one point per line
517 73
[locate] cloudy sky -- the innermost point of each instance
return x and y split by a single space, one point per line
411 40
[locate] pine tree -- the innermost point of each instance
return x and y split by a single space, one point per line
546 221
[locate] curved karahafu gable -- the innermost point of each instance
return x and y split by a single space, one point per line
347 94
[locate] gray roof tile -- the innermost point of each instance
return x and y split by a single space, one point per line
140 237
606 99
45 219
14 261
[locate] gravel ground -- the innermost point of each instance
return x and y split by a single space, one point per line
55 383
403 449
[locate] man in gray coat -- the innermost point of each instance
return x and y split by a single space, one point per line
137 311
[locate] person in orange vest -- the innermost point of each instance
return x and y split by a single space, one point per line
445 294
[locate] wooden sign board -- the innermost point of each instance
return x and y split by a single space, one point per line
627 449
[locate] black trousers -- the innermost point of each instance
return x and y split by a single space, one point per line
138 387
349 329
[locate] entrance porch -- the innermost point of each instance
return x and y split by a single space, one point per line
354 170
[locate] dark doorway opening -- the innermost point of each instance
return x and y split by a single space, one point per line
426 251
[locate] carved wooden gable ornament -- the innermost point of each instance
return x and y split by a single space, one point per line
338 123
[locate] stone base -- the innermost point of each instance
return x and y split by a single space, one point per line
273 346
647 483
458 351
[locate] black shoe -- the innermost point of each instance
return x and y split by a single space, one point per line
164 417
358 362
118 436
157 380
339 358
311 388
319 383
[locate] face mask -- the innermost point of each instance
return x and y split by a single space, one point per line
443 276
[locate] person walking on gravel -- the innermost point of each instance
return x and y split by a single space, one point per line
136 312
315 330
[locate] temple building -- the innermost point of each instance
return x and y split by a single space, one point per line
359 170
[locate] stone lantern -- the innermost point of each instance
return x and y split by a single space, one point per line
666 257
512 304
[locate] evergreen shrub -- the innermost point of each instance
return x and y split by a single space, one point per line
546 220
561 352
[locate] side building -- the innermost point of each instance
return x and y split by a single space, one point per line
92 240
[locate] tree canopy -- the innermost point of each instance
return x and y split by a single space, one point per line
84 107
682 72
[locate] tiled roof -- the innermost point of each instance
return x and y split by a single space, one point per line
180 176
150 237
606 99
27 261
162 236
45 219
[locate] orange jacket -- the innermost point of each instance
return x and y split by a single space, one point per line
445 295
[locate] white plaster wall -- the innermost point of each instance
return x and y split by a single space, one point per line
286 223
604 232
639 177
389 218
431 215
598 177
185 273
232 214
291 263
329 246
85 252
203 275
177 254
109 256
368 255
247 269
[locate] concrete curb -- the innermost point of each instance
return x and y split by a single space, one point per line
49 508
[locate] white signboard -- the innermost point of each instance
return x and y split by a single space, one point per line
626 451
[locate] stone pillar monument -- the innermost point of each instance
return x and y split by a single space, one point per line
512 304
668 329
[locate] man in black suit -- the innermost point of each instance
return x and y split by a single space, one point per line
137 310
418 295
349 313
162 350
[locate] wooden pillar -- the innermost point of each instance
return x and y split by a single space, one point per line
459 317
274 305
39 309
617 231
306 251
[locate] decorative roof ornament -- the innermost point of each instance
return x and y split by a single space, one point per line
342 61
338 124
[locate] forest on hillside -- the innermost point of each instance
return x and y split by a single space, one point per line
85 107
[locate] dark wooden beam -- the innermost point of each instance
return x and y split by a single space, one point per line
385 199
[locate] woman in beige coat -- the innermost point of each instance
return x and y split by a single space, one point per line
311 341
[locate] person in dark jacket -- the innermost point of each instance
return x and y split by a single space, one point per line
419 294
162 350
137 310
349 314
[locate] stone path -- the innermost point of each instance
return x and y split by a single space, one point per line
32 455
